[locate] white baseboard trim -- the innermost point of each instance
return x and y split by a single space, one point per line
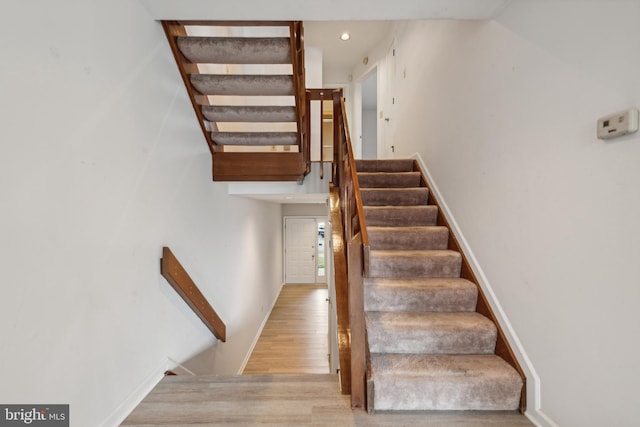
540 419
257 337
533 412
133 400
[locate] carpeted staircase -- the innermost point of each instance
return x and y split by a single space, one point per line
429 348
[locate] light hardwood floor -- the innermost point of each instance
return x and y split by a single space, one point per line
294 339
294 344
283 400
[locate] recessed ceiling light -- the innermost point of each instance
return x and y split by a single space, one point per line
345 36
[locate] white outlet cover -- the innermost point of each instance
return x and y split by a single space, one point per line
618 124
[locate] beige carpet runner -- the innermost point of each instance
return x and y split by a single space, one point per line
430 349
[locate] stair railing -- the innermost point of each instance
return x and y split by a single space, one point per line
179 279
356 248
318 95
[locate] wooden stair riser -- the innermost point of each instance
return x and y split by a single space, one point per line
257 166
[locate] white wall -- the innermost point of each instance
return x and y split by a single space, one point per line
305 209
102 163
504 114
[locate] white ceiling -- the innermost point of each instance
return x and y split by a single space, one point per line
340 57
319 10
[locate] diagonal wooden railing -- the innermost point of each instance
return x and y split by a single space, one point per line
179 279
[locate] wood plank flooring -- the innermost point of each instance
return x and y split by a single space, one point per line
283 400
294 339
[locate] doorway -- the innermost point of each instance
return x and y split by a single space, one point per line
304 250
369 115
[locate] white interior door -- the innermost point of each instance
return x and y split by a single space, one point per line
300 250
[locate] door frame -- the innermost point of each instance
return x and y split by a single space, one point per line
284 246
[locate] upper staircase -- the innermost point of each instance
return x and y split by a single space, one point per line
246 83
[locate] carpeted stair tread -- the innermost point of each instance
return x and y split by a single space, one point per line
394 196
245 85
430 332
400 215
388 179
421 238
255 138
417 263
419 294
236 50
400 165
415 382
249 113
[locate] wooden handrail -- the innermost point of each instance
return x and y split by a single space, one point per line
354 177
178 278
351 249
341 284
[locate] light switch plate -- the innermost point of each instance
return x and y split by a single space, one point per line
618 124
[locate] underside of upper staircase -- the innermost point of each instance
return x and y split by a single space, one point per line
246 83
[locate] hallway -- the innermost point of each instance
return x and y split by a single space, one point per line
294 339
